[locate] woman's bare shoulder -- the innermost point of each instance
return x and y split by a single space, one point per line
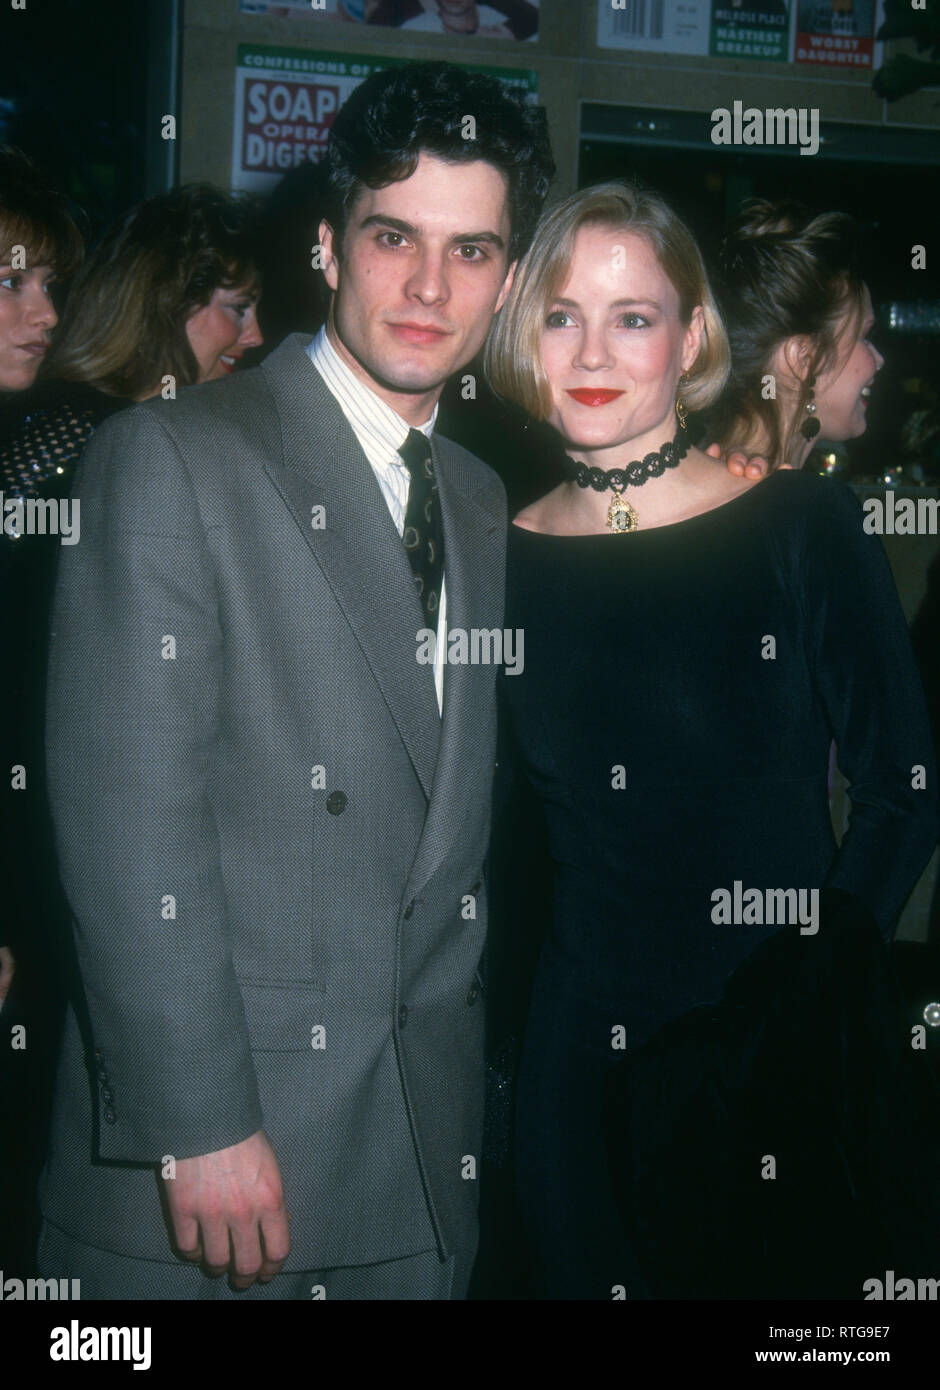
540 514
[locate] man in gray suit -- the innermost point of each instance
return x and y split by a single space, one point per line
271 816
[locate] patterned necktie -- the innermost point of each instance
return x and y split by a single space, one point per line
423 535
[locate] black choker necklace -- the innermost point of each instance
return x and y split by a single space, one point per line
620 515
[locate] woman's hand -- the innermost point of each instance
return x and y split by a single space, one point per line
740 465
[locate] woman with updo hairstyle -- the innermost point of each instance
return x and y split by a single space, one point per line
688 643
798 316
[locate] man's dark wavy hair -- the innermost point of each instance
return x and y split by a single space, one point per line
397 114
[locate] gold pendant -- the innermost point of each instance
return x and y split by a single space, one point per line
620 515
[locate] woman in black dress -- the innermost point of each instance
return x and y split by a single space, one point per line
693 641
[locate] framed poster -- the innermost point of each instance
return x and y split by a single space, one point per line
286 99
756 29
838 33
486 19
652 26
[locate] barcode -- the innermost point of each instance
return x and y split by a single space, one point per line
640 19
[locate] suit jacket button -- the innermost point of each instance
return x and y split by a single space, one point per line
102 1074
473 993
402 1015
109 1116
98 1056
336 803
409 910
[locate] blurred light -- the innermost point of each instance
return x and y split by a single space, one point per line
914 316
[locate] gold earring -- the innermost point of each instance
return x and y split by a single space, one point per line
680 412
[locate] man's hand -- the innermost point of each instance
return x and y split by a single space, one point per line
228 1210
740 465
7 967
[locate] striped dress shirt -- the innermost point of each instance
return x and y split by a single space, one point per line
381 431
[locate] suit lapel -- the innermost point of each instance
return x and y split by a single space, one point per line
474 537
358 548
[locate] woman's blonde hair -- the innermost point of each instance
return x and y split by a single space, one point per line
512 358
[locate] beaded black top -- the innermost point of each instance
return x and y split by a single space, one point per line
43 432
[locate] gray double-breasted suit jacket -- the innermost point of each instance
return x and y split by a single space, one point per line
271 843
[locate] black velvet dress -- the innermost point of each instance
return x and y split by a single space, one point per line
680 692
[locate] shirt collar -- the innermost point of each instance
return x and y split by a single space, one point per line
361 406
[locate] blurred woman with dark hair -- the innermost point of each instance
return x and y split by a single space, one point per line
170 290
798 316
166 299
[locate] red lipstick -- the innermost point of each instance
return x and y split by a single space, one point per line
593 396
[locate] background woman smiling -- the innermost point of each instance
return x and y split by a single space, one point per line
673 749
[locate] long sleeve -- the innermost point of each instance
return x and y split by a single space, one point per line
134 669
864 669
